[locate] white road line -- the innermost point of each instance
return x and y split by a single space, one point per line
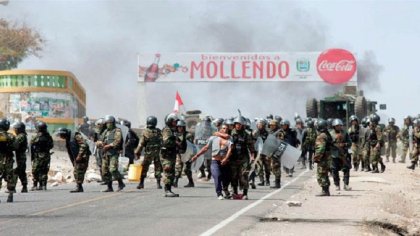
233 217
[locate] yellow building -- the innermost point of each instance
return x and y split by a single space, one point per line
55 97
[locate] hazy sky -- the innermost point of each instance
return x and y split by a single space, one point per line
98 42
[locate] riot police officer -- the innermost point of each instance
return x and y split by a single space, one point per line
20 146
6 157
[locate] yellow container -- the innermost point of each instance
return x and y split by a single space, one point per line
134 172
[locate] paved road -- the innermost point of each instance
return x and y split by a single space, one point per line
144 212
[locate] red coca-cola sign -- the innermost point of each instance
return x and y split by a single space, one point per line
336 66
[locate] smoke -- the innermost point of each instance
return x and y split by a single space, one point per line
100 45
369 72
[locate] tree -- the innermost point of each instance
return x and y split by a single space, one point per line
16 43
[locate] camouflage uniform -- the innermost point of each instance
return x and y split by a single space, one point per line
20 146
416 147
112 137
391 132
98 135
179 165
6 160
263 164
80 164
168 156
41 145
151 142
405 140
308 146
322 157
130 144
240 160
356 145
340 157
275 161
374 140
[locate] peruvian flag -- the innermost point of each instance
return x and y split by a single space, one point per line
178 102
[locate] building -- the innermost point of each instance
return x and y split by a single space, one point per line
55 97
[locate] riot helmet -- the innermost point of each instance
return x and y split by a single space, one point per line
41 126
19 127
240 120
217 122
278 118
85 119
321 125
416 122
181 123
228 122
4 124
354 117
285 122
170 118
337 122
310 123
391 121
63 133
109 119
329 123
374 118
151 122
365 121
99 122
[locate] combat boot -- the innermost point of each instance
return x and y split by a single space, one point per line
10 197
141 184
44 185
311 167
276 184
261 183
356 166
383 167
35 186
10 191
158 186
252 184
109 188
168 192
267 180
24 189
412 166
375 169
303 165
121 185
190 183
175 183
346 187
202 174
325 192
78 189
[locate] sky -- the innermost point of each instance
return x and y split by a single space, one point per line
99 41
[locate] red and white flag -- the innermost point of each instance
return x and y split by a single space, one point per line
178 102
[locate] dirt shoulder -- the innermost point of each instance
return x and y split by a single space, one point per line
378 204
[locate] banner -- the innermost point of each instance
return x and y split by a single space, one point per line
334 66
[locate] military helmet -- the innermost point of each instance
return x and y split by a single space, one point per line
4 124
19 127
365 121
299 120
354 117
391 120
261 121
374 118
329 122
151 122
109 119
218 121
321 125
270 117
337 122
63 133
310 123
297 116
99 122
41 126
126 123
85 119
240 120
181 123
228 121
285 122
278 118
171 118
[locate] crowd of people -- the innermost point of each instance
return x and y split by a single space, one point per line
231 150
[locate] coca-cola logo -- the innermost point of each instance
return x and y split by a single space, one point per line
336 66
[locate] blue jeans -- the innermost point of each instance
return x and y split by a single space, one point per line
220 176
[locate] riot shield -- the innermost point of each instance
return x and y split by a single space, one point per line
258 147
197 163
270 145
124 131
90 143
203 131
290 155
189 153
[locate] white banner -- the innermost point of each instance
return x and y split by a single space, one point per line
334 66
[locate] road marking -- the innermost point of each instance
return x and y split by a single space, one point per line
233 217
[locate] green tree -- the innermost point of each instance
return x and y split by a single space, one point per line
16 43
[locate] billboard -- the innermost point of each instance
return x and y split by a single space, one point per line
334 66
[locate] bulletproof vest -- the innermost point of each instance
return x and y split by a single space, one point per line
239 139
311 135
290 137
132 140
328 141
23 143
183 138
44 143
354 133
153 139
372 138
5 143
168 145
338 138
109 138
392 133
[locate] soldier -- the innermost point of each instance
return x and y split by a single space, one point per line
308 144
263 164
6 157
365 146
289 136
404 137
340 157
242 155
354 133
78 150
98 133
275 161
248 129
168 153
322 156
20 146
151 142
131 142
374 139
391 132
416 145
111 145
41 145
182 137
